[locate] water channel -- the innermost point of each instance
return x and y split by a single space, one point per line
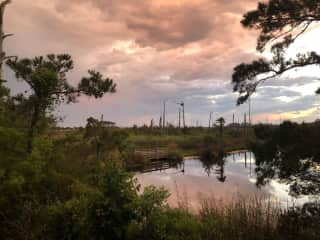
193 180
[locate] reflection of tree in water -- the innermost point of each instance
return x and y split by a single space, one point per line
220 170
290 152
214 161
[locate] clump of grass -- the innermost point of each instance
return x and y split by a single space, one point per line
174 154
240 218
257 218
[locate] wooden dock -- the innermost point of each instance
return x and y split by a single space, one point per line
152 153
238 151
161 153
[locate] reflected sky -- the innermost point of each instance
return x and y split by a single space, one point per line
191 181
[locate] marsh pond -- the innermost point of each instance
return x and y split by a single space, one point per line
195 179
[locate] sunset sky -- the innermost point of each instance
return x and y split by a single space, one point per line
159 49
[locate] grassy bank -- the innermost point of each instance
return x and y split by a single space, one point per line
178 142
76 187
188 142
250 218
191 140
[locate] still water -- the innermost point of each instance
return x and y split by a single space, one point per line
193 180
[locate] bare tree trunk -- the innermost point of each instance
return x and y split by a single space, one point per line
164 114
184 120
221 130
179 118
34 121
2 35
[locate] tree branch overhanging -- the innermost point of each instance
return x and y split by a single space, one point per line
278 19
247 77
280 23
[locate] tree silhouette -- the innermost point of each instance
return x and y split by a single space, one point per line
221 123
280 23
47 79
289 152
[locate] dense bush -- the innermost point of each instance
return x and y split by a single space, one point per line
289 151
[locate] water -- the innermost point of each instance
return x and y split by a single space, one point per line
193 180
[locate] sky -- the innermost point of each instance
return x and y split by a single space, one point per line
159 50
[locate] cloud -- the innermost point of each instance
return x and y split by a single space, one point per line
167 24
154 50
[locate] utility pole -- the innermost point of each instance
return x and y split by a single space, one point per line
183 117
164 114
179 117
249 110
280 118
245 120
245 126
210 117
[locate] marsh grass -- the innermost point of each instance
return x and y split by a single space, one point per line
192 141
182 199
241 218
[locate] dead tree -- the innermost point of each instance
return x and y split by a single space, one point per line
164 114
3 36
179 118
183 118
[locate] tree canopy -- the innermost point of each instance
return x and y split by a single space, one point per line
47 79
280 23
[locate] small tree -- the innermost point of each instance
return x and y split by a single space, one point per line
46 77
221 123
280 23
94 130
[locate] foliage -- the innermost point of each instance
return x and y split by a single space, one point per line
73 184
47 79
280 23
104 138
289 152
60 192
301 222
221 123
23 185
240 218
